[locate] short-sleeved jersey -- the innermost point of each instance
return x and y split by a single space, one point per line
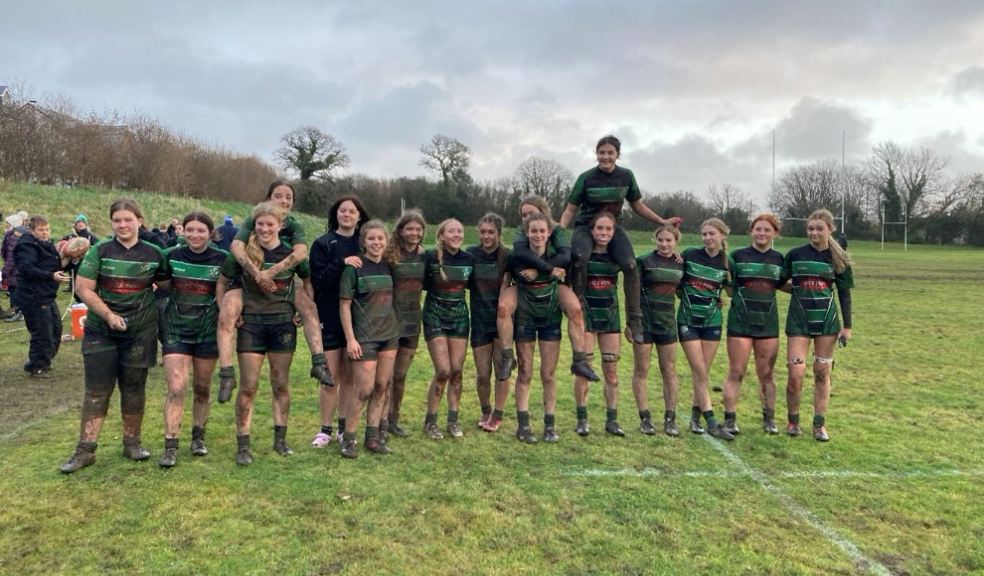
291 232
483 287
700 290
755 276
445 302
812 311
595 191
538 301
192 314
408 282
124 281
601 295
275 307
370 288
659 278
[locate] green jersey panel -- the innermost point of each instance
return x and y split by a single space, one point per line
601 295
445 304
408 283
483 287
754 310
812 310
595 191
659 278
700 290
538 301
262 307
192 314
370 288
124 281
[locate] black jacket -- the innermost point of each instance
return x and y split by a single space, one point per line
36 262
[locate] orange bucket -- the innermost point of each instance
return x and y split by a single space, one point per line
79 312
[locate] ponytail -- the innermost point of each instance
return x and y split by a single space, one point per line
254 251
841 259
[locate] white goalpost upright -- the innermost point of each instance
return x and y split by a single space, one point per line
905 229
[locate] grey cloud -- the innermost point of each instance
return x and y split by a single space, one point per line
813 130
969 82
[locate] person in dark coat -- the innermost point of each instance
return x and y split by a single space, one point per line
39 271
226 233
80 229
9 272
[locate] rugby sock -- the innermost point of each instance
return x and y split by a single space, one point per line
578 356
523 418
695 413
452 416
498 414
348 436
430 418
326 429
227 372
819 420
549 420
372 432
645 415
611 414
582 412
768 414
711 422
730 415
341 425
318 359
669 415
486 409
794 419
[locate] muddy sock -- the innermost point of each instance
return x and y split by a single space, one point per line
819 420
611 414
523 418
549 420
582 412
326 429
711 421
498 414
645 415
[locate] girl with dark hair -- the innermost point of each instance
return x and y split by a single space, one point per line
660 274
815 269
607 187
268 328
406 256
188 325
330 253
706 274
753 321
487 280
447 272
115 280
282 194
537 318
604 324
372 337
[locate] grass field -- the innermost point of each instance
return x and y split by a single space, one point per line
898 490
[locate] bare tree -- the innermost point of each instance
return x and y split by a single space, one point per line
311 152
546 178
447 156
904 177
803 189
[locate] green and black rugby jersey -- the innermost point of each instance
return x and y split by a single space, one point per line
659 278
408 282
370 288
601 295
124 281
538 301
445 302
291 232
558 251
700 290
483 287
192 314
275 307
812 311
755 276
597 190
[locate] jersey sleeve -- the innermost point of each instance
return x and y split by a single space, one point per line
577 192
562 249
303 270
346 288
295 232
231 268
245 230
844 280
163 273
633 193
91 263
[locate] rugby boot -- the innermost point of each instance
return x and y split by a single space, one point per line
820 434
507 363
454 429
280 441
493 424
731 425
243 456
85 455
670 427
695 426
348 449
227 383
198 442
769 426
646 426
376 445
794 429
720 433
170 456
525 435
432 431
321 373
582 428
613 428
133 450
550 434
583 369
395 430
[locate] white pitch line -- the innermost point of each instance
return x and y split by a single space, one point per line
794 507
818 474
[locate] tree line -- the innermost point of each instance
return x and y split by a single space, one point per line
53 144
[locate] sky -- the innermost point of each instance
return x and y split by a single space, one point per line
694 89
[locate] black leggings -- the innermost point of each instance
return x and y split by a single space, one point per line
620 249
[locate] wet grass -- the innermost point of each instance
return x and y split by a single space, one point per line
902 479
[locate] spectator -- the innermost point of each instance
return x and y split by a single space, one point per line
9 272
81 230
39 271
226 233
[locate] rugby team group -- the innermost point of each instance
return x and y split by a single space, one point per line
356 292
